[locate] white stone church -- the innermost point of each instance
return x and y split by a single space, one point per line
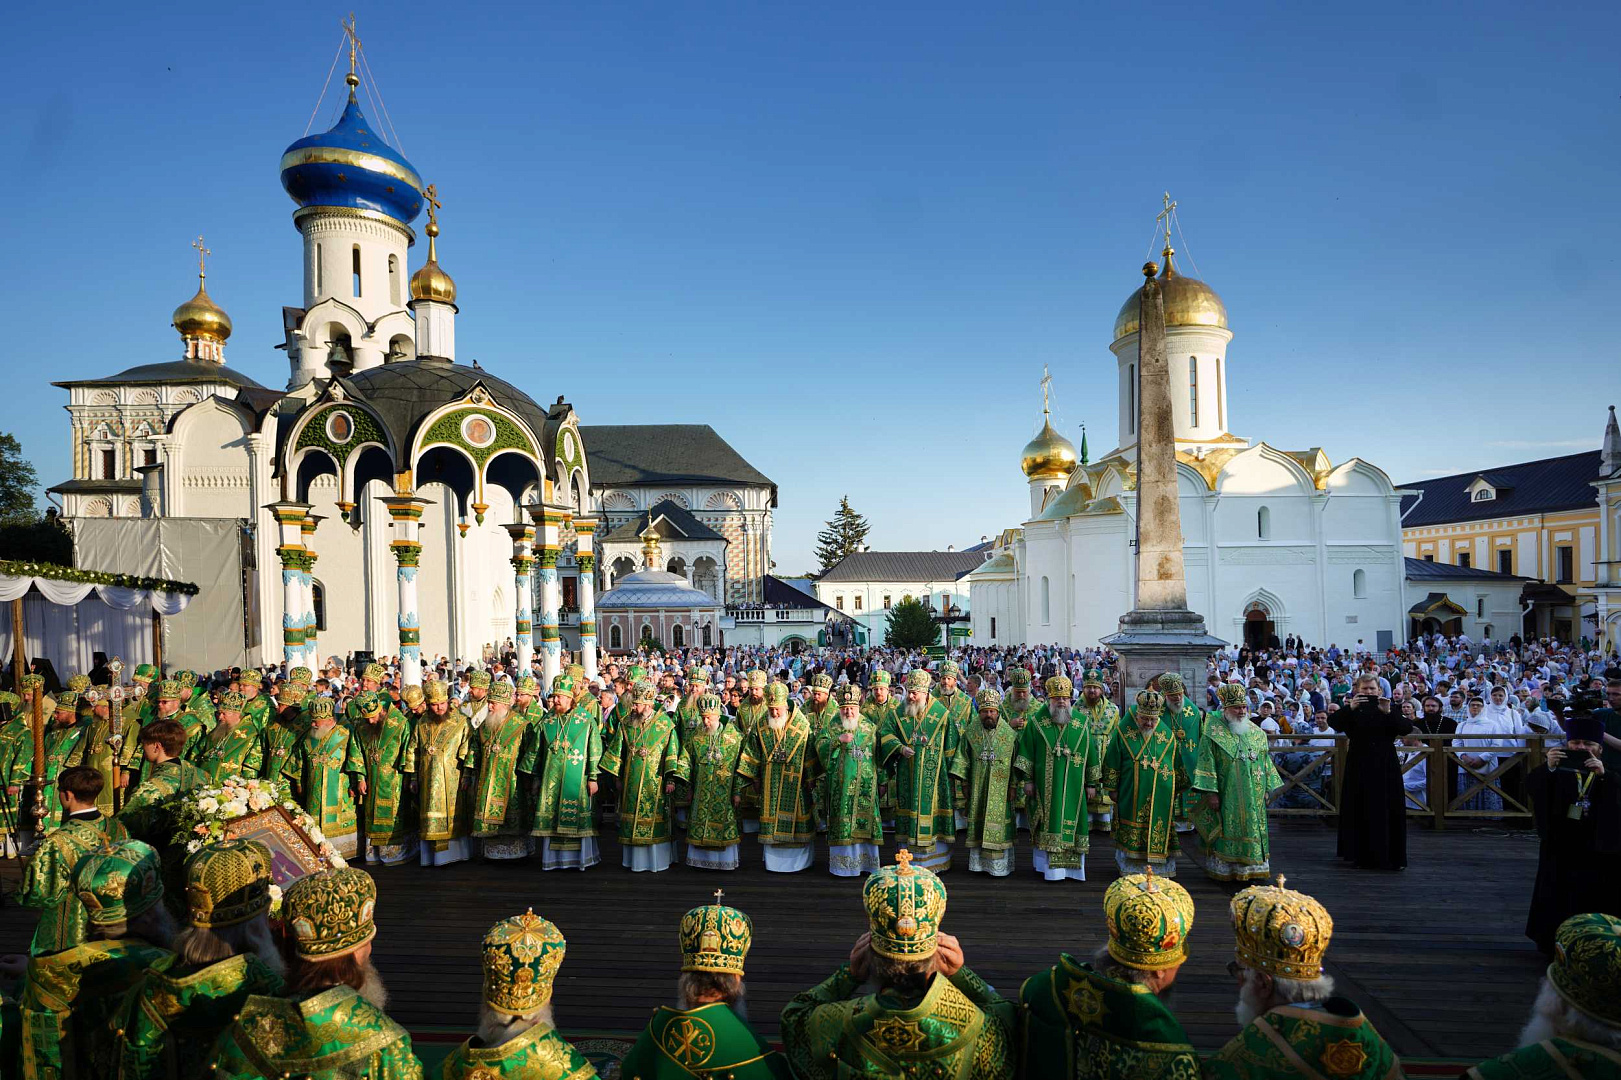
390 498
1276 542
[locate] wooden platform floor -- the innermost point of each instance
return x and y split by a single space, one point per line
1435 955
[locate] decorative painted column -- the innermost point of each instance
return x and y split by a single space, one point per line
584 533
406 512
307 530
290 524
550 518
523 564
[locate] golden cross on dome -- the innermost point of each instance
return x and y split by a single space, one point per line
1165 215
903 859
202 254
718 894
354 39
1046 390
431 197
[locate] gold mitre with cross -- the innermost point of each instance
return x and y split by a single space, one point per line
521 958
715 938
905 904
1149 918
1280 931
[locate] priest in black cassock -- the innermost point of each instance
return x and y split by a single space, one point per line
1578 813
1373 810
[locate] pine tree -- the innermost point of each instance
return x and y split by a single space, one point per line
17 482
845 533
909 626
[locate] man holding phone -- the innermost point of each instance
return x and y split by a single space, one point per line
1578 813
1373 815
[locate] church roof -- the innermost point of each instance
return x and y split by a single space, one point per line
1425 570
118 486
903 566
1546 486
678 524
169 372
624 455
998 565
405 392
648 589
778 591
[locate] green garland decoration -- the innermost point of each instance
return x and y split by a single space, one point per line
95 577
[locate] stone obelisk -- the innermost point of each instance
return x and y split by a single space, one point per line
1159 633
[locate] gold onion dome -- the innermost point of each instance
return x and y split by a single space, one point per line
201 317
1188 302
431 282
1048 456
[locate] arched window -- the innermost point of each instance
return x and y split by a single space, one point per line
1359 583
678 636
1046 601
1263 523
1131 399
616 639
393 279
707 636
320 272
318 602
647 633
355 268
1193 391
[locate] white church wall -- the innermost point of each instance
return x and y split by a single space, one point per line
439 552
339 567
216 478
1099 553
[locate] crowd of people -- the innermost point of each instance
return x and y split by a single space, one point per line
688 756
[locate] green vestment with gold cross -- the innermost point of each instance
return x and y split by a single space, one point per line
440 751
540 1053
332 1035
500 801
984 764
323 766
565 753
779 762
850 780
1557 1058
819 720
1327 1038
237 750
1240 770
1078 1023
278 740
64 748
384 749
923 811
876 712
1062 761
961 1029
171 1019
48 881
645 755
1103 716
712 759
710 1040
1144 771
67 1001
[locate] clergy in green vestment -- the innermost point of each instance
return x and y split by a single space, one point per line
931 1016
1186 722
779 763
645 756
847 752
959 707
17 762
564 757
1103 717
64 748
149 813
1018 707
234 747
371 682
167 1025
69 997
383 736
329 1025
706 1033
440 765
256 708
501 810
48 872
917 745
1294 1026
1106 1019
984 765
1143 771
1575 1025
712 750
103 750
517 1037
751 713
690 712
820 711
1234 776
284 732
879 707
327 773
1060 763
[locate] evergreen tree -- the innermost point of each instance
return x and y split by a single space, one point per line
17 483
845 533
909 626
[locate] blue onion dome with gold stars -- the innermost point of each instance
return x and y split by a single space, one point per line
350 166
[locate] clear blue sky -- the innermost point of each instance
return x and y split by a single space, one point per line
849 236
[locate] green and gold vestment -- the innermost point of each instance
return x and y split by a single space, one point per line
170 1020
850 780
67 1000
923 809
332 1035
1240 770
1330 1038
1078 1023
712 759
1103 716
1145 774
384 748
323 766
234 751
64 748
538 1054
499 804
280 737
1062 761
644 756
780 763
48 881
1558 1058
984 764
567 751
710 1040
440 751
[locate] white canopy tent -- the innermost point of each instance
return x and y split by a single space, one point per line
67 616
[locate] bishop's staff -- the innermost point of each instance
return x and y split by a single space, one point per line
37 773
115 729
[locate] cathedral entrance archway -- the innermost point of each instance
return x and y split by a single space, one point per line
621 566
1259 629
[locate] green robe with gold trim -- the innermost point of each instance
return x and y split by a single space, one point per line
1241 771
234 751
97 753
145 814
850 780
819 720
278 740
923 810
712 759
1331 1038
332 1035
779 763
64 748
876 712
16 762
1145 774
1558 1058
1077 1022
170 1021
1187 727
48 881
500 805
710 1040
1103 716
1062 761
257 711
440 750
961 1029
67 1000
749 716
384 748
644 756
984 764
538 1054
565 753
323 767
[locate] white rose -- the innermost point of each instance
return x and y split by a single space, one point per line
338 862
193 845
236 809
208 805
275 892
257 801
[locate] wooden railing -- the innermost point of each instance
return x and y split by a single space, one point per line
1313 776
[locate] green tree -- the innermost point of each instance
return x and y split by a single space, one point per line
909 626
17 483
845 533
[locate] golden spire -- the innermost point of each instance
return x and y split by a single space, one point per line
352 78
1049 456
202 254
1166 216
203 323
431 282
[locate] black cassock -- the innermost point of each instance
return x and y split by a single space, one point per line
1373 813
1579 867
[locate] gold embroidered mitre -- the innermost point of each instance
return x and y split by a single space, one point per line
715 938
905 904
521 958
1149 918
1280 931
